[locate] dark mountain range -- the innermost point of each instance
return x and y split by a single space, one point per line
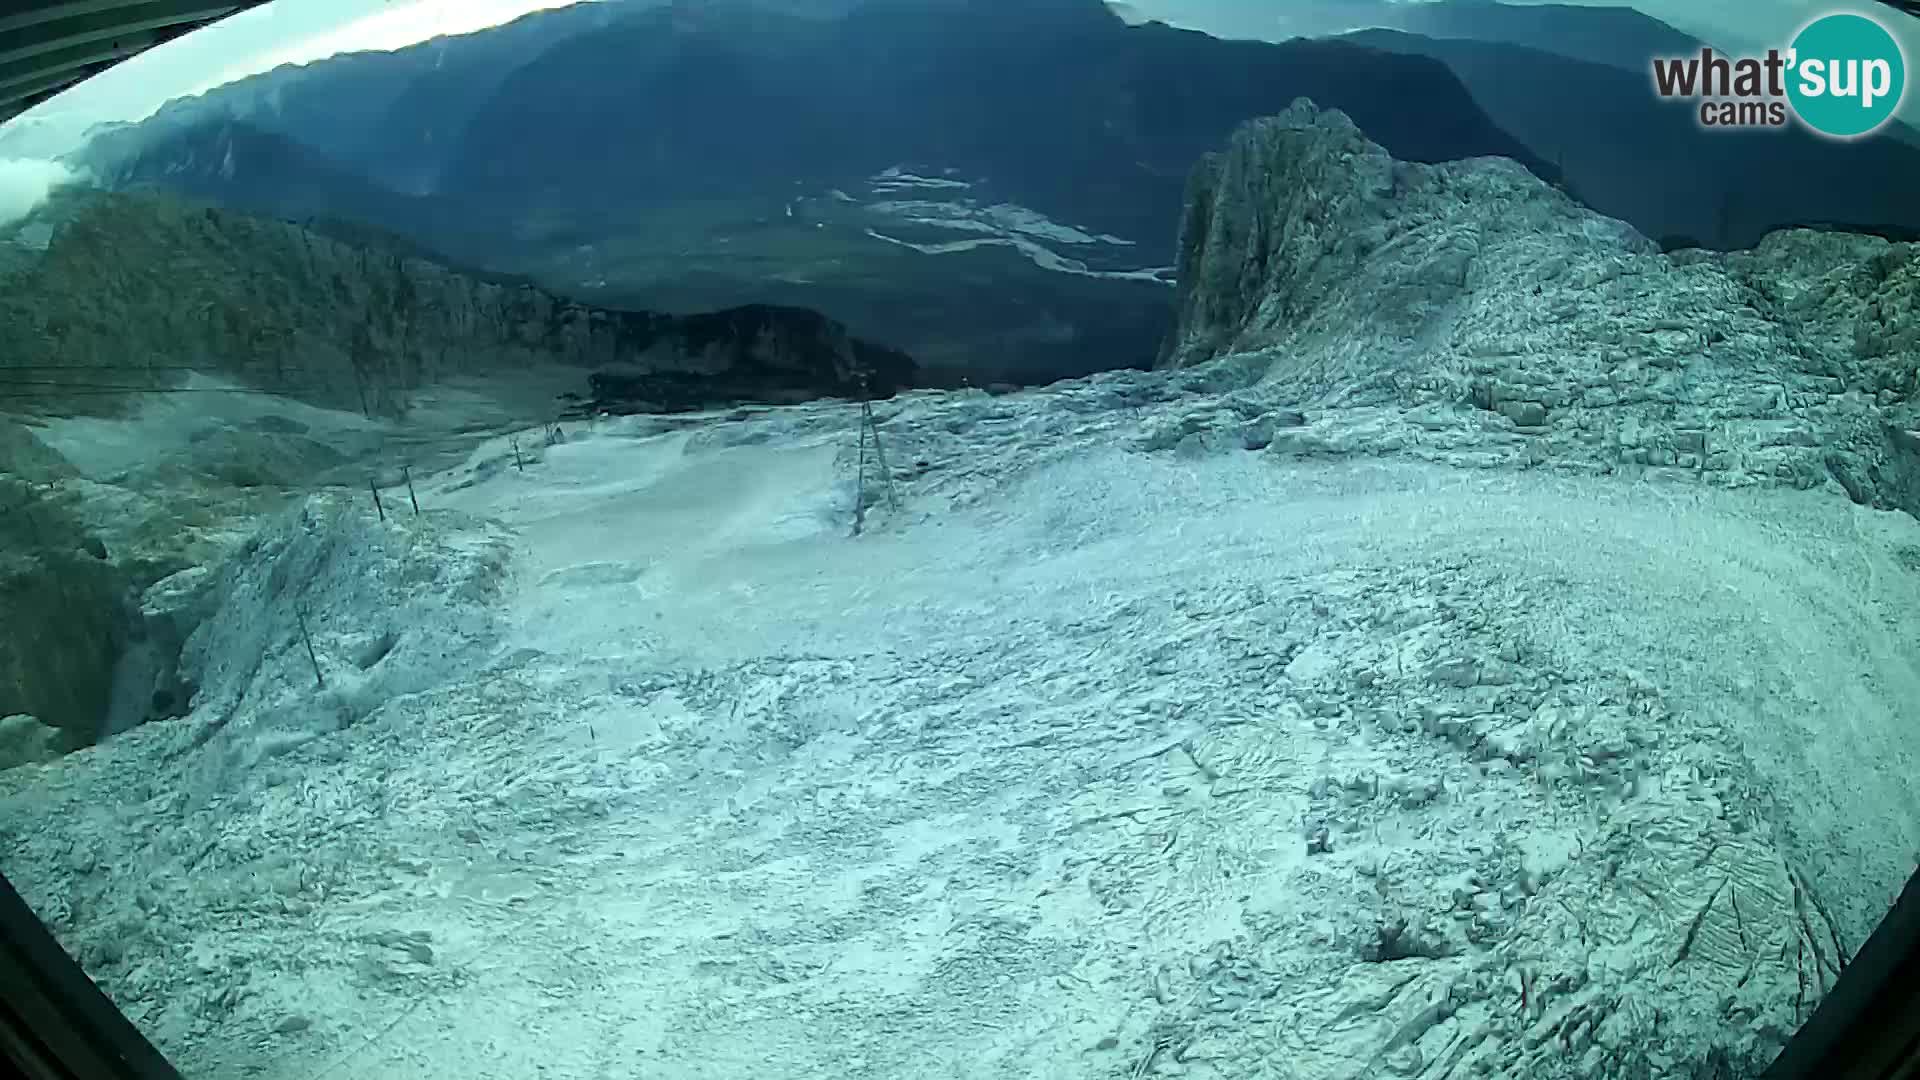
1084 118
1081 118
1618 37
391 116
1614 35
1633 156
240 165
994 187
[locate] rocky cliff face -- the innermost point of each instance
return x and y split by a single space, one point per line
1469 312
116 290
64 621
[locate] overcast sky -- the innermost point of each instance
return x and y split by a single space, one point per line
298 31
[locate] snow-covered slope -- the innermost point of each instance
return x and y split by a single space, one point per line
1088 756
1295 713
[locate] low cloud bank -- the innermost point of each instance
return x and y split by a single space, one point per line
25 182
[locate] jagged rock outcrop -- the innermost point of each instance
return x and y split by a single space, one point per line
63 609
102 289
27 458
1469 312
24 740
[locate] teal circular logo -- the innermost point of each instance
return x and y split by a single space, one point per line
1847 75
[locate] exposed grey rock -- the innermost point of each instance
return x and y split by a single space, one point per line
62 602
147 683
25 456
64 615
1469 313
26 741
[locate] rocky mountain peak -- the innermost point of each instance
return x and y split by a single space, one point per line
1477 307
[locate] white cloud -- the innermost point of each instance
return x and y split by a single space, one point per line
25 183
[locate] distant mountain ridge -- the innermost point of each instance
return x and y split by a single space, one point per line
624 152
1633 156
1616 36
388 114
1086 119
601 104
212 158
